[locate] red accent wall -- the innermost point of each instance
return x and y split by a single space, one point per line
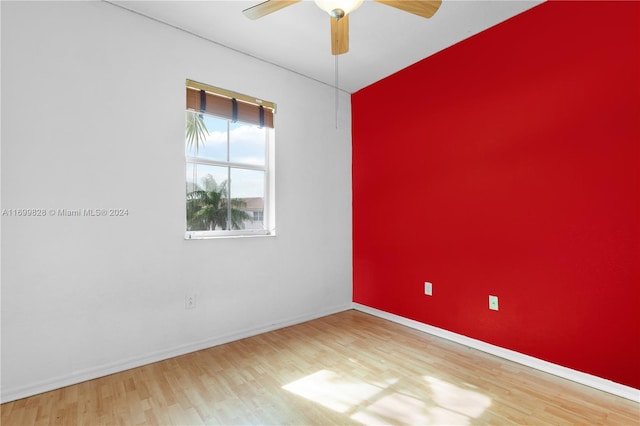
508 165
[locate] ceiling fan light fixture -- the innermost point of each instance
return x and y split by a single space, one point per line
331 6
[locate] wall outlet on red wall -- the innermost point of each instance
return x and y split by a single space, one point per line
428 288
493 303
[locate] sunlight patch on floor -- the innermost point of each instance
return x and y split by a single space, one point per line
332 391
383 403
396 408
456 399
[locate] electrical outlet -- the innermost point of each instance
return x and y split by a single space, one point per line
190 301
493 303
428 288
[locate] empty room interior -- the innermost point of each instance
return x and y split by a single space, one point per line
395 212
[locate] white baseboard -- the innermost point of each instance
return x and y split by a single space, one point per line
548 367
15 393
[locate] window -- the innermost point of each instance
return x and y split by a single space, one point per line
228 150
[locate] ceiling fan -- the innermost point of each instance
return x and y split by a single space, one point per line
339 12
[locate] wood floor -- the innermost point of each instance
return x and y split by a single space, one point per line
348 368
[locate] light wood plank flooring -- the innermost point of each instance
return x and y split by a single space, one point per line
347 368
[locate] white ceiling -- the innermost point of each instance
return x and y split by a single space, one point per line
383 39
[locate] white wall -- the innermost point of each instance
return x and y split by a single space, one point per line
93 117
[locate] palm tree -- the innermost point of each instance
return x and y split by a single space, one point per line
208 208
196 131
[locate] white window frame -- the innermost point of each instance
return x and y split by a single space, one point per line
269 181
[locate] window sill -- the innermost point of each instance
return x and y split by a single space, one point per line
231 236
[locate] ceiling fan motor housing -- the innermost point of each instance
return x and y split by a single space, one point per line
338 8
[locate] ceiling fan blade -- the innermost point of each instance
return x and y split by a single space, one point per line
340 35
424 8
267 7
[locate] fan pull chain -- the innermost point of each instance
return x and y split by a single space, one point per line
336 93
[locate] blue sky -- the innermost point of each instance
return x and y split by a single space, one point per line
246 145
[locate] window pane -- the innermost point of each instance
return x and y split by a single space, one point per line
247 143
247 193
191 178
214 132
207 197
